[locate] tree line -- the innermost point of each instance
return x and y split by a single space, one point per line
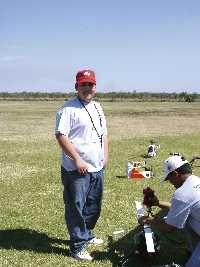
106 96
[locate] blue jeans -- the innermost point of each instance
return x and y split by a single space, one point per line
194 260
194 247
82 198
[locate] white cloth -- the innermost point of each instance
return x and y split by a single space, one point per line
186 205
74 121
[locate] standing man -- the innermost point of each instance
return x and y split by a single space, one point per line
184 210
82 134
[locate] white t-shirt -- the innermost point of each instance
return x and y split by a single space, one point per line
186 205
74 121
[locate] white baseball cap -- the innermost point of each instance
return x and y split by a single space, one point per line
171 164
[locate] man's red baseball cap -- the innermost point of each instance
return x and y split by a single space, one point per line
85 76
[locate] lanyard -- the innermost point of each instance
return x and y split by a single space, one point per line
100 120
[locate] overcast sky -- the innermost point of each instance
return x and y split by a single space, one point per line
132 45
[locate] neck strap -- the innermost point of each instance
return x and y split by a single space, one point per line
100 119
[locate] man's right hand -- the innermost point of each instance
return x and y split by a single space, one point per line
81 166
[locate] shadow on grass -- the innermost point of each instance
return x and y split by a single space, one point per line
121 176
118 248
173 249
27 239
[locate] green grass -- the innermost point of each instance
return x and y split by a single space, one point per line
32 227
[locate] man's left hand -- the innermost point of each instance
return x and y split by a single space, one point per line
145 220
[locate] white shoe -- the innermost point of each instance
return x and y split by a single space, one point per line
95 241
82 255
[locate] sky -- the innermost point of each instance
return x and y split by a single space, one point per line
132 45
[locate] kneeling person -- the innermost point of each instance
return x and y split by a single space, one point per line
184 209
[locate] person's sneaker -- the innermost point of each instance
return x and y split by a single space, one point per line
95 241
82 255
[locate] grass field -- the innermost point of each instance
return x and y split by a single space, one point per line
32 227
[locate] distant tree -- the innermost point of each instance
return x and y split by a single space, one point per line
189 98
